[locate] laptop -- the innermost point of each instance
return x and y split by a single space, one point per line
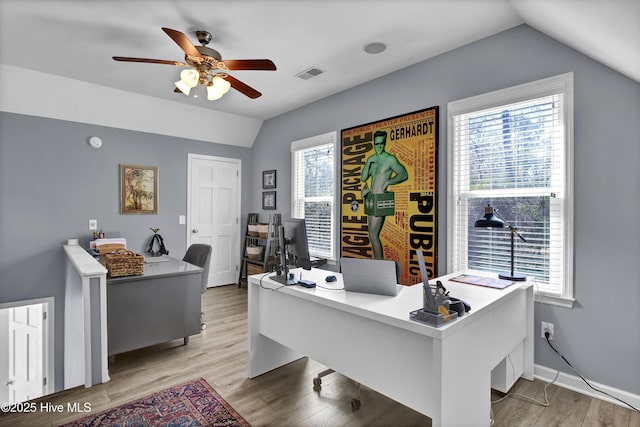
371 276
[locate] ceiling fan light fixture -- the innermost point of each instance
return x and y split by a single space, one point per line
184 88
222 84
190 77
217 88
204 64
213 94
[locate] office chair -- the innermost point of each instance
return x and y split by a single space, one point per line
317 381
200 254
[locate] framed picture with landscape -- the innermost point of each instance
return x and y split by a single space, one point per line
138 190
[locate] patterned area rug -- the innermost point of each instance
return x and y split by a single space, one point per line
191 404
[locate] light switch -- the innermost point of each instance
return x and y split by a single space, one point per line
93 224
182 220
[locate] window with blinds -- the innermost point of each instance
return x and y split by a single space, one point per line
511 150
313 190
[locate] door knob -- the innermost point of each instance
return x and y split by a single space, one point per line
194 231
8 383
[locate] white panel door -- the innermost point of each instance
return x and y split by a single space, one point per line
26 355
213 213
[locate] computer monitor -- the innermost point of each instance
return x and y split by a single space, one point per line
294 249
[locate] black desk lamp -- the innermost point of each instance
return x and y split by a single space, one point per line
491 221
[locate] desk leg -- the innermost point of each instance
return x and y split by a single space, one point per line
465 396
265 354
528 341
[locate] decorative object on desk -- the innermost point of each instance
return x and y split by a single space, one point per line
138 189
269 179
97 234
124 262
192 403
459 306
157 239
434 319
439 298
396 202
268 200
497 221
436 303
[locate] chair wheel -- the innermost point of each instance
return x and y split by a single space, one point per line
203 326
317 384
355 404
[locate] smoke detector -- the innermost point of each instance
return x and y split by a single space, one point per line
374 48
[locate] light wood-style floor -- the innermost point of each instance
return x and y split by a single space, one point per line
285 396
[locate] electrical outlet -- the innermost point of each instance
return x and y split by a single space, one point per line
546 327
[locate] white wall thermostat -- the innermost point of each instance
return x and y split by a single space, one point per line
95 142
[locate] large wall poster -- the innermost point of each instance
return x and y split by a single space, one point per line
388 198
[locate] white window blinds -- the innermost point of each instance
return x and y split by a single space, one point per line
313 190
513 156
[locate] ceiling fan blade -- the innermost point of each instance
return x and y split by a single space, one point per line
243 87
182 41
150 61
250 64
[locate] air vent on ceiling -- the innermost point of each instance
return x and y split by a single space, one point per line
309 72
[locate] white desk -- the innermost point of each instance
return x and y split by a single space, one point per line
444 373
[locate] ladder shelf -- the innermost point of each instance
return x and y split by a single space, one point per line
264 259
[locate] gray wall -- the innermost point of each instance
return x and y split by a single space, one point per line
601 334
52 182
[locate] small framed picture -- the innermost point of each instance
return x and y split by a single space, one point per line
268 200
269 179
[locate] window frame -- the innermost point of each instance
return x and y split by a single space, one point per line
553 85
304 144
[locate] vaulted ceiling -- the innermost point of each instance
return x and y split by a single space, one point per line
77 39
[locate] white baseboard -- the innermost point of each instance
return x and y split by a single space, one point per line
573 382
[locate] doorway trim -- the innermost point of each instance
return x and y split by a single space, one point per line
48 345
238 163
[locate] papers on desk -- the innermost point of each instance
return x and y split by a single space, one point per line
482 281
95 244
155 259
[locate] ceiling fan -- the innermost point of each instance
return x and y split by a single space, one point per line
206 67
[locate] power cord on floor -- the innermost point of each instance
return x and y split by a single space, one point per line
546 399
546 402
564 359
531 399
